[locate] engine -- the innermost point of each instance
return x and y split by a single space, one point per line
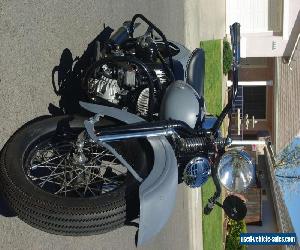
125 84
130 72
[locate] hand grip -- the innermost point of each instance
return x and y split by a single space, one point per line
208 208
235 41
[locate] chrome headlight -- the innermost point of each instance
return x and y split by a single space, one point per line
236 171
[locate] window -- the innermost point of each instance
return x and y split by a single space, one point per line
255 101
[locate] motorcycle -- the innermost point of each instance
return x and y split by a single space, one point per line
73 175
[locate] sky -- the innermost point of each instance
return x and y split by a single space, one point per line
291 193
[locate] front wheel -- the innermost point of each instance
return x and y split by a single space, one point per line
52 191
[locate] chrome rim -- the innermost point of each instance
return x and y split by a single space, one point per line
51 167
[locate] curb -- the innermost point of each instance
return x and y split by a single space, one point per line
195 218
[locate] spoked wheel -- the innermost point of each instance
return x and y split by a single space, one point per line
55 188
53 166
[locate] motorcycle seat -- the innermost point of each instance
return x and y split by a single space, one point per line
178 70
196 70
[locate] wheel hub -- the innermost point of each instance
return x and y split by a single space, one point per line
79 157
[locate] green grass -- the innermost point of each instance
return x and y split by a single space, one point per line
212 224
213 76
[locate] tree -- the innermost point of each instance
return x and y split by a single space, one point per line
287 165
289 157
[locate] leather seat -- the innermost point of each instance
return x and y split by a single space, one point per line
195 72
178 70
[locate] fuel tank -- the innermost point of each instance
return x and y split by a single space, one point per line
181 102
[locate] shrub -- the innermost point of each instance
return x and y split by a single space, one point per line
227 57
233 237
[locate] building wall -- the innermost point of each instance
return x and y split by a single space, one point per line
277 42
267 45
286 101
261 73
275 16
257 73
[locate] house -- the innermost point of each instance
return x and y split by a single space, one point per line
268 102
269 49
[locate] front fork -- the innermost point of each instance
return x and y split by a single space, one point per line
89 134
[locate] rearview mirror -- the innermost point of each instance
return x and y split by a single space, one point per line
234 207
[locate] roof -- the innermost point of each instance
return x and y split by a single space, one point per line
287 101
283 219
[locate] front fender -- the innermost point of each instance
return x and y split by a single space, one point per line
157 192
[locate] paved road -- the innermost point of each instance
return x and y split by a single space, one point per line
15 234
32 38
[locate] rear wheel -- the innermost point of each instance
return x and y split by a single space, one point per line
51 190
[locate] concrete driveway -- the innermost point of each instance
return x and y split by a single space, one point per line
32 37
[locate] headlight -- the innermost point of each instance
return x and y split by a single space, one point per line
236 171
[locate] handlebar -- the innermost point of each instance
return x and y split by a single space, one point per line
235 41
155 28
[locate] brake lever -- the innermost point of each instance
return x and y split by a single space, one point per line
214 199
210 205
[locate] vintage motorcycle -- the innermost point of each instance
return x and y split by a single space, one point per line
74 175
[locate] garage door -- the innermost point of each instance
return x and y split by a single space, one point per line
251 14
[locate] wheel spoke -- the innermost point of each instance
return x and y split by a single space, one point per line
53 168
100 155
52 173
91 191
66 184
52 159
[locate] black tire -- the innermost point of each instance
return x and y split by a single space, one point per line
68 215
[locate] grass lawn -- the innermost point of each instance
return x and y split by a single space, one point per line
212 224
213 76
